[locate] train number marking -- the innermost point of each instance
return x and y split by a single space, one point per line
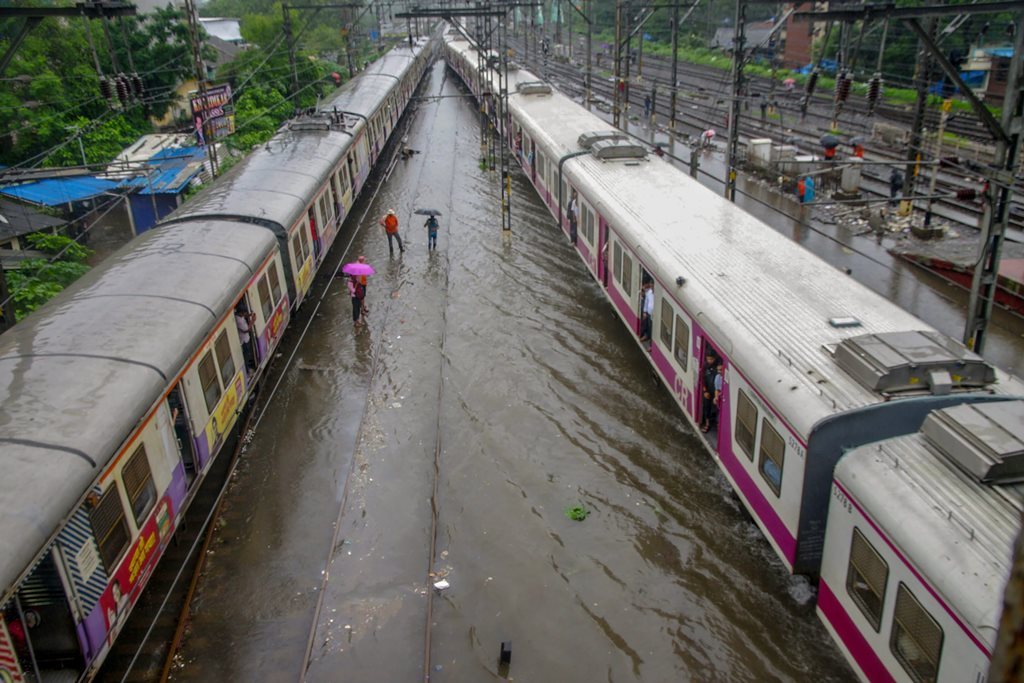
842 499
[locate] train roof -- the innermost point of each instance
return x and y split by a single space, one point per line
274 183
956 532
77 375
743 279
363 95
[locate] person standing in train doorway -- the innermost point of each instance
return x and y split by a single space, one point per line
709 375
647 310
390 223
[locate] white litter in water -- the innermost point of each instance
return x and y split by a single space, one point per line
441 585
396 404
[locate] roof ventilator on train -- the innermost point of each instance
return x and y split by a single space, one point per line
985 440
901 362
618 150
587 140
533 88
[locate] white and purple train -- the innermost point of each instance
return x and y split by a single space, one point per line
814 366
116 396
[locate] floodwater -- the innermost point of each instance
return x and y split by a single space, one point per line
492 390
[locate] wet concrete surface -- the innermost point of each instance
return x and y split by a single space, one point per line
494 388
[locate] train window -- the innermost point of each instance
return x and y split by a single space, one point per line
617 262
916 638
681 351
305 244
138 482
110 528
264 291
275 283
772 456
746 424
627 275
588 225
297 248
866 578
666 323
325 213
224 359
208 380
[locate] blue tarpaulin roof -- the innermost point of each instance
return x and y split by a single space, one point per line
58 191
171 171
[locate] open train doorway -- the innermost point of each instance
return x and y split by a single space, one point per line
712 392
183 433
40 628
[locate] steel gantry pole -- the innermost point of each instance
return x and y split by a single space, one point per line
617 88
675 67
505 126
739 39
997 204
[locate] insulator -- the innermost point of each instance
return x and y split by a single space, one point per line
967 195
874 88
843 84
137 87
107 89
123 89
812 81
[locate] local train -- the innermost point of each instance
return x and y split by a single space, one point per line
812 365
116 396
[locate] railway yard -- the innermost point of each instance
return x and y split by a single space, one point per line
646 434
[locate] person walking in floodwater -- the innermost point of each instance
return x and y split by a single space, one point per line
390 223
431 225
357 291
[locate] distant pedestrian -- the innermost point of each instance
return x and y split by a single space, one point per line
647 106
431 225
895 185
390 223
764 111
357 291
364 281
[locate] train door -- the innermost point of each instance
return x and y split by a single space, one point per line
352 174
645 305
602 246
183 433
713 392
314 233
245 321
41 626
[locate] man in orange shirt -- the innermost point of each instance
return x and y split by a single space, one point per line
390 223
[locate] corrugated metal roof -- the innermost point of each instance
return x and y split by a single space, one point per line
18 219
57 191
955 531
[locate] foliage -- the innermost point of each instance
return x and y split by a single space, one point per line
577 512
38 280
51 88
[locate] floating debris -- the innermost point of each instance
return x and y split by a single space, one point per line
577 512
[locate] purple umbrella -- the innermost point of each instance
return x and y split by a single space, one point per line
358 269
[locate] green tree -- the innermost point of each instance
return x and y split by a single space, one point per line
36 281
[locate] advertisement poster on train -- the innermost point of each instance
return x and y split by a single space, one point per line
10 669
136 566
277 323
225 413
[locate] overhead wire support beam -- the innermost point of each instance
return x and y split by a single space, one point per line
891 11
983 113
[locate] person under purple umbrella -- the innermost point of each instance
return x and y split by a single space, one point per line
358 273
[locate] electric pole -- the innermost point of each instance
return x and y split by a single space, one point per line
200 72
738 45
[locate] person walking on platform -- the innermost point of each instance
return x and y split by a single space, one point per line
390 223
357 291
431 225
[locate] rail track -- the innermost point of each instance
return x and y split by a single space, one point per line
698 110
